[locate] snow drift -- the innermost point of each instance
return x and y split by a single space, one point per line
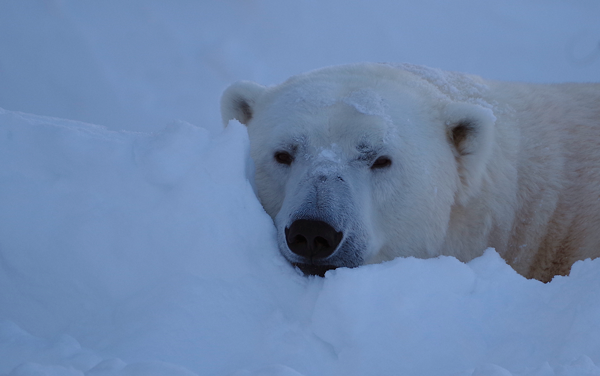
128 253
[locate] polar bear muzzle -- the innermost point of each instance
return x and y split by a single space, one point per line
312 240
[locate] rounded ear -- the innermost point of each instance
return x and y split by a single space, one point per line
238 100
470 131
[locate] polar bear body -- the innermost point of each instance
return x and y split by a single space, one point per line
363 163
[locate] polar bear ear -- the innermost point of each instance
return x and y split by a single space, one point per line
238 100
470 130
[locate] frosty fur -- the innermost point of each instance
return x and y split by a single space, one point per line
475 163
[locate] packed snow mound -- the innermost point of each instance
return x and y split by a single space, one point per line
148 254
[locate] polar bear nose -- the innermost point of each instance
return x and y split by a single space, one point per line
312 239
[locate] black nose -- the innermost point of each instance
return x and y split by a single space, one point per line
312 239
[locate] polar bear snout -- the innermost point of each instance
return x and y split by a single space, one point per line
318 227
312 239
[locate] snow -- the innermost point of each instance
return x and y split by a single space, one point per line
129 253
367 102
140 248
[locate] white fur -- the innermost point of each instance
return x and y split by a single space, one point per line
475 163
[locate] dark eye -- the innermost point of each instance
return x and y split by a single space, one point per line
381 162
283 157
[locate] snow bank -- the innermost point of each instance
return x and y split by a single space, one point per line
148 254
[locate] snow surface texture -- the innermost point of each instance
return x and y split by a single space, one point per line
145 253
148 254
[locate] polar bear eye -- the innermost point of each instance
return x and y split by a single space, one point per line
283 157
381 162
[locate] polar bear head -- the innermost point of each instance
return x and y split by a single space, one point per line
361 163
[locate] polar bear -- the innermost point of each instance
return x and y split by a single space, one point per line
362 163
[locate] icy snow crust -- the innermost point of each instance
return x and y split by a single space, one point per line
148 254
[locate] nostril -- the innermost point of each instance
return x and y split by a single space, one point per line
321 242
299 239
312 239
